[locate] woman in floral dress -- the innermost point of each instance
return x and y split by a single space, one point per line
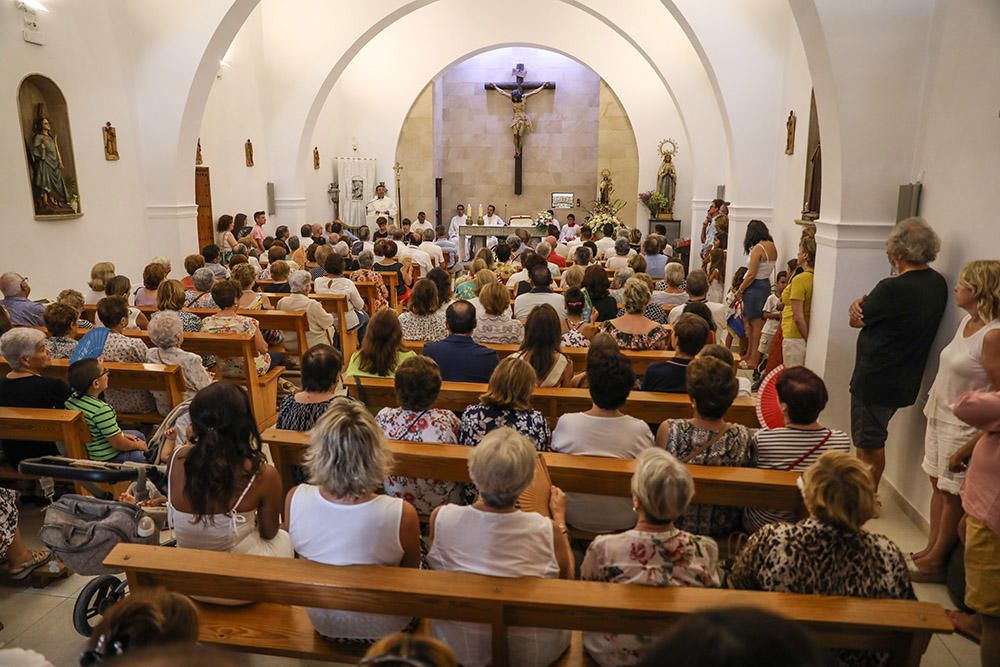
366 274
633 330
575 303
507 402
225 293
654 553
424 320
417 382
113 312
707 439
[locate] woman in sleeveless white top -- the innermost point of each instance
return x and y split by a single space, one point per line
756 285
336 519
555 375
493 538
970 362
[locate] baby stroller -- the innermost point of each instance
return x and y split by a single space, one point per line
82 530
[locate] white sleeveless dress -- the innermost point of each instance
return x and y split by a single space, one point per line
514 544
362 534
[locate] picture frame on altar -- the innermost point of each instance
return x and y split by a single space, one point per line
562 200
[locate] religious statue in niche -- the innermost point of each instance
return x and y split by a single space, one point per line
607 187
48 149
197 154
110 142
790 129
315 157
248 149
666 177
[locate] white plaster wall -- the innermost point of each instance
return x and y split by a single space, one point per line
349 112
956 159
238 108
82 55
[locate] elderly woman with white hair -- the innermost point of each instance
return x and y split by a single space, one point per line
672 294
338 519
166 331
201 295
367 275
622 252
321 323
494 537
654 553
25 387
632 330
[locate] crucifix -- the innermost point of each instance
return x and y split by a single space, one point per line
520 124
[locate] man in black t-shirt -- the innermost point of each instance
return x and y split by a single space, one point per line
898 319
689 335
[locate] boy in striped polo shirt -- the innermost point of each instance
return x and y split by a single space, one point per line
108 442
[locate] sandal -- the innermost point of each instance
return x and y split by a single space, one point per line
968 633
38 559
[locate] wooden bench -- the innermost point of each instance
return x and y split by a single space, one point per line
295 322
649 406
47 425
714 485
278 624
128 375
337 305
263 389
370 293
641 359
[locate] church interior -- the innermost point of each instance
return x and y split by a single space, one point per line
130 126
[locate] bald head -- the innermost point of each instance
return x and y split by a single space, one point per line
461 317
13 284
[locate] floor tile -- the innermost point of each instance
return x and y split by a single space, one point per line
53 636
20 611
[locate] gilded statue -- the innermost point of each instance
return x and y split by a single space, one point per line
315 157
666 177
790 130
248 149
606 187
110 142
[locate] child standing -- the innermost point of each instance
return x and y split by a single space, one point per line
89 379
716 272
772 319
734 313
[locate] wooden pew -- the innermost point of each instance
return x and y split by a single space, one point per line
47 425
649 406
337 305
282 320
640 359
368 292
714 485
279 626
263 389
128 375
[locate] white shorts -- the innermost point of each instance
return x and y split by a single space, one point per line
765 342
941 440
793 352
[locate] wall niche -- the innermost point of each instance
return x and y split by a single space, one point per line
48 149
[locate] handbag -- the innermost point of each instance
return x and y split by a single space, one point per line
818 445
703 447
81 531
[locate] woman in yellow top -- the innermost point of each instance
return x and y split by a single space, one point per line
382 350
797 298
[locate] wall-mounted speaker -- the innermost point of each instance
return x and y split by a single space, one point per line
270 198
720 192
909 201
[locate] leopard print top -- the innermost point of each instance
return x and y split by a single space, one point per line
816 558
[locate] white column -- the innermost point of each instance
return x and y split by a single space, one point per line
850 260
173 231
291 211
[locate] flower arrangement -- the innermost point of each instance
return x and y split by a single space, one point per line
542 220
602 214
654 201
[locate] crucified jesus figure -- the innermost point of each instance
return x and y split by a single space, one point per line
520 124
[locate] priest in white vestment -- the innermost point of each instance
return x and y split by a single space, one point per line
421 224
458 220
492 219
381 206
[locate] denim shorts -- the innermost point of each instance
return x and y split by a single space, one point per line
754 298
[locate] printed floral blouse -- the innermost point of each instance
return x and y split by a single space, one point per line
465 290
736 448
60 347
228 324
572 336
120 347
478 420
424 327
654 339
431 425
669 558
498 329
381 291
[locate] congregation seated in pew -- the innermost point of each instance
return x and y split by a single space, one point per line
200 296
224 293
672 293
321 329
707 439
170 298
634 330
382 349
60 320
507 402
603 431
493 537
540 292
540 347
25 387
337 518
108 442
424 320
459 356
417 384
121 286
166 332
321 383
688 336
494 323
653 553
365 274
246 277
113 313
334 282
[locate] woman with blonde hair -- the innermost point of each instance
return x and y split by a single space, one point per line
573 276
100 274
338 519
633 330
495 324
246 276
382 349
654 553
507 402
970 362
839 495
540 347
481 280
466 289
170 297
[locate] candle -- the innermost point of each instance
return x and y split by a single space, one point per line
468 212
480 211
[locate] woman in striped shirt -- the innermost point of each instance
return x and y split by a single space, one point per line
802 396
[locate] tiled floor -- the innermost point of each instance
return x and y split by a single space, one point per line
40 619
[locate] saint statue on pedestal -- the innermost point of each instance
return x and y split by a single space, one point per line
666 178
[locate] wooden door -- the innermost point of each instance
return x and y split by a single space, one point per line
203 198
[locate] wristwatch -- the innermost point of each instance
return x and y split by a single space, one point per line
562 528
